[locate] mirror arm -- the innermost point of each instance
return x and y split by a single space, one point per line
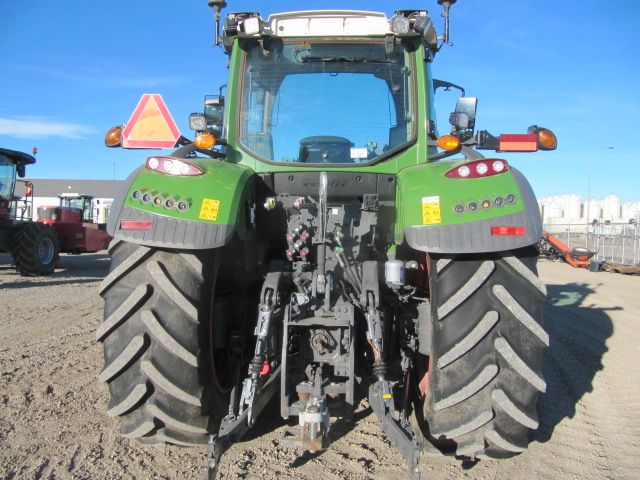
469 152
186 150
485 141
446 85
465 148
183 141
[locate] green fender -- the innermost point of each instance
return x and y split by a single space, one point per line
446 215
190 212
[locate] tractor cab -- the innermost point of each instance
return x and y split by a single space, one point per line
73 208
7 185
12 165
82 202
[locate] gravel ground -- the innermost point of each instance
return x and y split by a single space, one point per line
53 423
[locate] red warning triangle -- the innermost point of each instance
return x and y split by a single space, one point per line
151 125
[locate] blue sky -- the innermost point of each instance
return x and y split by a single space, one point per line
71 70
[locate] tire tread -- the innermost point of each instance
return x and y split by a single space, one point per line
133 349
155 335
486 354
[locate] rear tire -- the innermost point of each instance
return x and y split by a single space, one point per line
35 249
157 344
486 354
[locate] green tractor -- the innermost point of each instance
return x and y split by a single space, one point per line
318 239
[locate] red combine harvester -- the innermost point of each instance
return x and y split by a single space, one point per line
553 248
74 224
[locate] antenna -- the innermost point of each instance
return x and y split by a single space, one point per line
217 6
446 4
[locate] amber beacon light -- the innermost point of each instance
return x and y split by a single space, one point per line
448 142
204 140
113 138
546 139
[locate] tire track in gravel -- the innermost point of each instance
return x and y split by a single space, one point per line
591 411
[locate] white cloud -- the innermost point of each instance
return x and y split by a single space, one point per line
41 128
97 77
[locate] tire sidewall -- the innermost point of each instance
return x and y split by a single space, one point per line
36 249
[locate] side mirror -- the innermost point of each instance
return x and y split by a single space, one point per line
211 120
20 168
214 114
459 120
463 120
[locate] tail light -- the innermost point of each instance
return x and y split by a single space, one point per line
136 225
479 168
517 142
537 138
172 166
508 231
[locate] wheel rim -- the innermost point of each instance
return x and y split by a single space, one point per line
45 251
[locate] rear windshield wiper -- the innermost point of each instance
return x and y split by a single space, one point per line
309 58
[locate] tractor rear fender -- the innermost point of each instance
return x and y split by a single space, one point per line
445 215
183 212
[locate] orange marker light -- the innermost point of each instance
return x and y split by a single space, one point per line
204 140
448 142
547 139
113 138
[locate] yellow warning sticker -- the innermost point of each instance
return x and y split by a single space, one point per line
431 210
209 209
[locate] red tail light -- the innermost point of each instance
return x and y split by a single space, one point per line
518 143
508 231
133 225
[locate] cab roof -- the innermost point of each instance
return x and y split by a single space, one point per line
327 23
17 158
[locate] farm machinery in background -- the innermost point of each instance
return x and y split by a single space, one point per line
555 249
36 246
316 233
74 224
33 246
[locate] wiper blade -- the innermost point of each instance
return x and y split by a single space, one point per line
310 58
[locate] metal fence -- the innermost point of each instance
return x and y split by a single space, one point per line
617 243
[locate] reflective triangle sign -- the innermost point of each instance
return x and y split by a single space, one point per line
151 125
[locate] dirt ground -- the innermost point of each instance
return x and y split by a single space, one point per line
52 409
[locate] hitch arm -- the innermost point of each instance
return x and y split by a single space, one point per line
401 437
233 428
